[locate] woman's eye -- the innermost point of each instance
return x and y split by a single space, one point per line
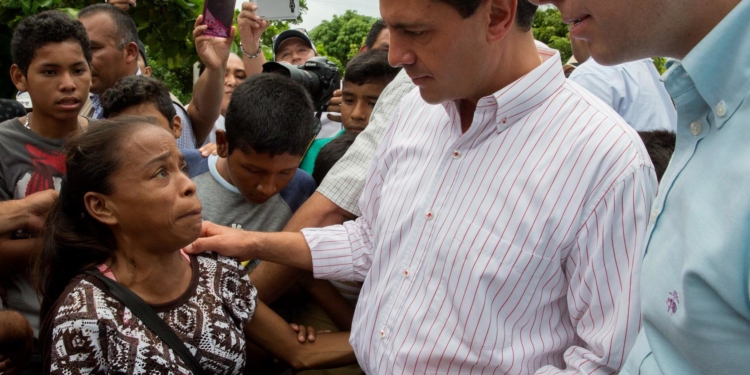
185 169
161 173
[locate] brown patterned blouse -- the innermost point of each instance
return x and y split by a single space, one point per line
91 332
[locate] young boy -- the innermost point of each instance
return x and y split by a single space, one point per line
367 74
142 96
253 183
51 61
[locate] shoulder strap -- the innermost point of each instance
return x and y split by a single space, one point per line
148 316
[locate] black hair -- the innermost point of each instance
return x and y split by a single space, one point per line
270 114
330 154
125 28
374 33
73 241
524 10
137 90
660 146
52 26
370 67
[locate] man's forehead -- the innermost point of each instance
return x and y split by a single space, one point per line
99 25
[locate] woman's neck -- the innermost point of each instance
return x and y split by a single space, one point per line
155 277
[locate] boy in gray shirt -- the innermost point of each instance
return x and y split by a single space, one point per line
254 183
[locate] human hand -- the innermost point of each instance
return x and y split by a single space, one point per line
229 242
123 4
213 51
251 27
305 333
37 206
208 149
16 344
334 106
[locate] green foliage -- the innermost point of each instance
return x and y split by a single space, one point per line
342 35
659 62
165 26
549 28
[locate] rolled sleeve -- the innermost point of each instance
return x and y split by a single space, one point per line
341 252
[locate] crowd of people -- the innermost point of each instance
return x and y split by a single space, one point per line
465 202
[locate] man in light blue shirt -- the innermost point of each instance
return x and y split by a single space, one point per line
695 281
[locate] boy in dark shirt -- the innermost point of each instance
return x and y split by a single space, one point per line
51 61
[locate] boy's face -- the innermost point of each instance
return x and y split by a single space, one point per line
57 80
174 127
357 104
258 177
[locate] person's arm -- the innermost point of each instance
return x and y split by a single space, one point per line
123 4
330 300
602 87
602 270
205 107
17 255
251 28
16 342
272 333
28 213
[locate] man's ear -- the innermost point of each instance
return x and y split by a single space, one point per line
363 48
222 145
177 127
502 16
131 53
18 78
147 71
100 208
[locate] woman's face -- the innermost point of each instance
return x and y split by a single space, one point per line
153 200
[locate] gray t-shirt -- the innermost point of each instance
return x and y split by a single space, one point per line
29 163
224 205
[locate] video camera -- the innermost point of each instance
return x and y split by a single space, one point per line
318 75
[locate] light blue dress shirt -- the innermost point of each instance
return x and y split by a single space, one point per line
695 285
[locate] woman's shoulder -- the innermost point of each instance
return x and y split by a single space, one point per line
230 281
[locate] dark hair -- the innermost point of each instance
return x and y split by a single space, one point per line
660 146
524 10
270 113
330 154
34 32
125 28
137 90
73 241
374 33
369 67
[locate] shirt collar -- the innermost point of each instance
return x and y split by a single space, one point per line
719 66
526 93
212 160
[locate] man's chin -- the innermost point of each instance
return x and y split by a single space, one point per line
431 96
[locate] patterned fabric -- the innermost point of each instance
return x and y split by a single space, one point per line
511 248
93 333
11 109
344 182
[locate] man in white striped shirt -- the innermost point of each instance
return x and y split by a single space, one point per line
504 214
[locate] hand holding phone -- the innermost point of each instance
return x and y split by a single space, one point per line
250 26
217 15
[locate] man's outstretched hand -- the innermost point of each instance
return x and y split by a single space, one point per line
228 242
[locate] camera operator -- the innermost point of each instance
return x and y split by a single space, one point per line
292 46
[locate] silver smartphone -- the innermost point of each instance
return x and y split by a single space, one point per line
277 9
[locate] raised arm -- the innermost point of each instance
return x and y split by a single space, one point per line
251 28
205 107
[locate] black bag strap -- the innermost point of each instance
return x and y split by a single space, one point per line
148 316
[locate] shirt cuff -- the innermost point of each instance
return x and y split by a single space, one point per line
331 252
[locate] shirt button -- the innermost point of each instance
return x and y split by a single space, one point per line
429 215
654 214
504 121
382 333
695 128
721 109
406 273
456 154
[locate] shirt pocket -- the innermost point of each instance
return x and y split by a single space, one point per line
489 292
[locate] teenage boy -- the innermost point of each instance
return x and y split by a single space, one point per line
253 183
51 58
367 75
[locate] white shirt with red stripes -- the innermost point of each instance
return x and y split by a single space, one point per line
513 248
